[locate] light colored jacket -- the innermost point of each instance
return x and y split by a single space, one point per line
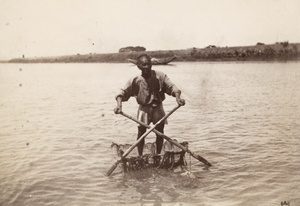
148 91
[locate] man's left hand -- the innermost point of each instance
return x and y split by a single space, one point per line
180 102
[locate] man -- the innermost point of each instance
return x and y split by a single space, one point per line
149 88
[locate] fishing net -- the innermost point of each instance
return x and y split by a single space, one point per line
171 156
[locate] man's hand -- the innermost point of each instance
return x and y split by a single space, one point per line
180 101
118 110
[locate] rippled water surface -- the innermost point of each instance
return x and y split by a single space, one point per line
57 124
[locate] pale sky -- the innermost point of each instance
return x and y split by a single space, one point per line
38 28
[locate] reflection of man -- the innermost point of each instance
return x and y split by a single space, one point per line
149 88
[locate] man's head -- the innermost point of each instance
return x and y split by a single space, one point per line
144 64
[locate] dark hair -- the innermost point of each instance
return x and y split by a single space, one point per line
140 57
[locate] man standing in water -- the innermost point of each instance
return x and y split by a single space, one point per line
149 88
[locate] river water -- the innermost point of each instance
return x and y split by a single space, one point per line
57 125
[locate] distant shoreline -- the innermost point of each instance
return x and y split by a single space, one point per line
274 52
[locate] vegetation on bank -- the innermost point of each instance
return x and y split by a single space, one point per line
132 49
260 52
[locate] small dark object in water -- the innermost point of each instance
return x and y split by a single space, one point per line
27 143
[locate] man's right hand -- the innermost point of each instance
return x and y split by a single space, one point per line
118 110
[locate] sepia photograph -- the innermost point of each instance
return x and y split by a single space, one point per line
149 103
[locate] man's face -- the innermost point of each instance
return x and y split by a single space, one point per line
145 67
